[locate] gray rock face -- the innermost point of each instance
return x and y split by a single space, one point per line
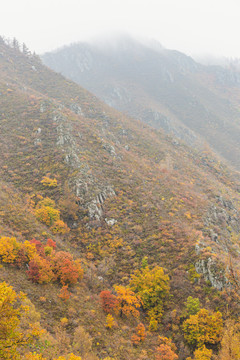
42 108
76 109
117 95
159 120
211 273
84 185
222 213
38 140
110 222
110 149
95 207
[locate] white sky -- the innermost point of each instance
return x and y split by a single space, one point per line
191 26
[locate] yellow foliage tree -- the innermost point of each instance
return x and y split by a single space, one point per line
47 215
48 182
230 344
69 357
203 353
12 335
9 248
110 321
203 328
151 287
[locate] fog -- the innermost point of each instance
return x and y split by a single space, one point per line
191 26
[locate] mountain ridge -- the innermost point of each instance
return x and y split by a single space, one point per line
164 88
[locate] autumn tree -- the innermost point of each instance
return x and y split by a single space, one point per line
151 287
39 270
48 182
230 344
166 350
203 328
59 227
64 293
110 321
127 303
139 335
12 335
34 356
9 248
47 213
203 353
65 269
192 305
108 301
69 357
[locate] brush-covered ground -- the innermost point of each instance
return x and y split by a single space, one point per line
138 223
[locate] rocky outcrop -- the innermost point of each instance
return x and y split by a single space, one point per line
84 184
95 207
223 213
211 272
159 120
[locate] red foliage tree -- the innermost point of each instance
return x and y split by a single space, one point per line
33 271
108 301
65 269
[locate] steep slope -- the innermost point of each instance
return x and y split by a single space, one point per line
126 192
163 88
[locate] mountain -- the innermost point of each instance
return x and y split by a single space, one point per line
163 88
122 198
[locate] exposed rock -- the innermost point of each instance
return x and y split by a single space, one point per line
117 95
223 213
83 183
211 273
110 149
95 207
111 222
171 126
213 236
37 142
76 109
43 107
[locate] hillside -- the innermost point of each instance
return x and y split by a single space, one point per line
163 88
124 199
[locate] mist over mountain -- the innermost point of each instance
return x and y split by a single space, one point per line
163 88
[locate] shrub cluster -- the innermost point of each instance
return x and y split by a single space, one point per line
44 263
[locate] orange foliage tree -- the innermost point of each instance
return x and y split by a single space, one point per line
166 350
127 303
140 334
